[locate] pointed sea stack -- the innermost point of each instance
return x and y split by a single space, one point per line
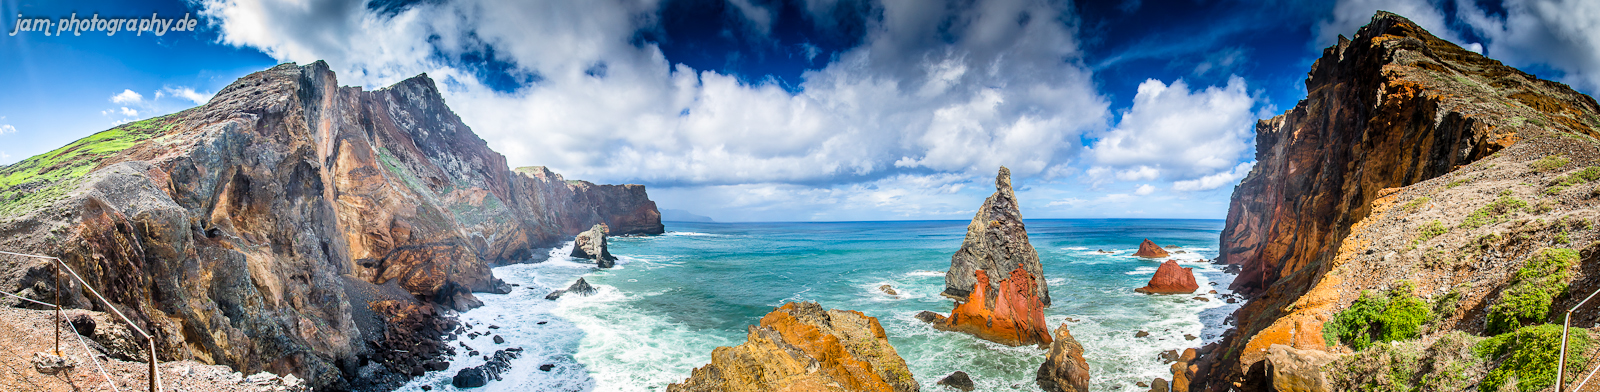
803 347
1171 279
1010 310
1150 250
591 244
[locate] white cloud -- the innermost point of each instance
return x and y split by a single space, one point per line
7 128
1215 181
994 91
1174 133
1349 15
4 157
1562 34
186 93
127 97
129 112
1144 189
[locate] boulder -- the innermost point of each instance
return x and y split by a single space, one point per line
1008 311
1159 385
803 347
958 380
1064 369
1150 250
888 290
1295 370
1171 279
581 287
591 244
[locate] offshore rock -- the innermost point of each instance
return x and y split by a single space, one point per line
591 244
1150 250
802 347
260 230
1010 311
958 380
1171 279
581 287
1400 131
1064 368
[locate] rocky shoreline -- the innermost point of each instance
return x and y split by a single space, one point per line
295 226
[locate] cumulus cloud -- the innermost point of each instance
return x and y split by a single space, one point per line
1144 189
127 97
1349 15
959 89
1561 34
1174 133
186 93
1215 181
7 128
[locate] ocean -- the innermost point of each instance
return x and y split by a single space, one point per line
673 298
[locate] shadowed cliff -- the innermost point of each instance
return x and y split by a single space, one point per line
293 225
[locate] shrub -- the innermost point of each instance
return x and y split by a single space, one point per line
1493 213
1526 358
1448 365
1550 163
1457 183
1429 230
1373 318
1532 289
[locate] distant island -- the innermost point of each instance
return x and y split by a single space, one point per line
672 215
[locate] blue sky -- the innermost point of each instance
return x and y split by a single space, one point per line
793 110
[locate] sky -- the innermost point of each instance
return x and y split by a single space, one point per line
808 110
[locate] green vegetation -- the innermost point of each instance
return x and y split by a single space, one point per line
40 180
1428 231
1532 289
1550 163
1528 356
1587 175
1396 315
1415 204
1445 305
1457 183
1448 365
1495 212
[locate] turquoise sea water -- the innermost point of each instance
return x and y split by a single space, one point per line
675 297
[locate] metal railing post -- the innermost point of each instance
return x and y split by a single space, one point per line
59 319
155 379
1566 325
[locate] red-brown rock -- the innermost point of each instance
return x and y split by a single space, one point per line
1010 311
1149 249
1015 316
1064 368
1171 279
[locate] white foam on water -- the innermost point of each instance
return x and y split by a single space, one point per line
517 314
691 234
628 350
925 273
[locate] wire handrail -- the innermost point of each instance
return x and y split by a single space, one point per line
155 379
1561 362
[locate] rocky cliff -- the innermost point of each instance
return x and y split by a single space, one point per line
803 347
293 225
1414 168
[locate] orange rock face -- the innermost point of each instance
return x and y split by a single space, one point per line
1171 279
1390 108
1015 317
802 347
1149 249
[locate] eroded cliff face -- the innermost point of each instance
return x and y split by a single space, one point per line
1393 113
288 224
